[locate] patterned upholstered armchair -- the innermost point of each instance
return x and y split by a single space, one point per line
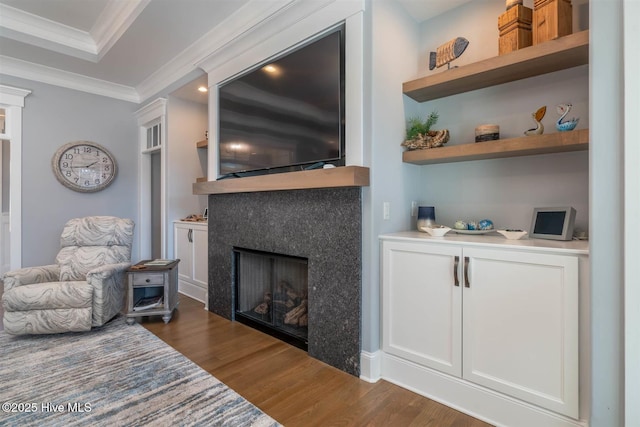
86 286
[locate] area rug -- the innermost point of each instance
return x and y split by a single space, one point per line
117 375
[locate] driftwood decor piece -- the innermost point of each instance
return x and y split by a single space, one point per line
420 136
431 139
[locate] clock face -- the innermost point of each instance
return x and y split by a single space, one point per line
84 166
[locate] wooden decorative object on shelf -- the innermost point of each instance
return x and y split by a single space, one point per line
551 19
510 3
432 139
515 29
447 52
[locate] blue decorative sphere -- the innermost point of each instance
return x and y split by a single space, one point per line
485 224
472 225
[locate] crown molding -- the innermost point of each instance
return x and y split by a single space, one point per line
253 14
237 34
302 20
151 111
114 21
28 28
10 95
40 73
111 24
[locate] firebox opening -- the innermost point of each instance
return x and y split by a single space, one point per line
271 294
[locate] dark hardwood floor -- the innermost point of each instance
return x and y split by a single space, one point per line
287 384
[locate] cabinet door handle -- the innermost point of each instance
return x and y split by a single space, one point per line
190 235
466 272
456 261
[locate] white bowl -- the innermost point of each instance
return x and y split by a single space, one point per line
436 230
513 234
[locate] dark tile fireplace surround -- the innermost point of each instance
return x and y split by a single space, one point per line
322 225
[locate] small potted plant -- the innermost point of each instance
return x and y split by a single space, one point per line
420 136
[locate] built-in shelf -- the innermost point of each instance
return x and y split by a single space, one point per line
346 176
202 144
576 140
554 55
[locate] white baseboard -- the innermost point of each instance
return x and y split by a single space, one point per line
370 366
464 396
193 291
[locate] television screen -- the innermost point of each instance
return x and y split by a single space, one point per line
286 114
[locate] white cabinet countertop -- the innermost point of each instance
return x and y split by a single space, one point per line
577 247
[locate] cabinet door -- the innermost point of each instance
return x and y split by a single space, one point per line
184 251
421 307
520 326
200 257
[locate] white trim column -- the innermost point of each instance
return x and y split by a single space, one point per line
151 114
12 100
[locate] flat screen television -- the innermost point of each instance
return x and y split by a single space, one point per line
287 113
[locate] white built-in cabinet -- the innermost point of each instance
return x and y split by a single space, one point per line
190 240
498 319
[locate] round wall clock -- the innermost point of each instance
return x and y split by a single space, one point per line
84 166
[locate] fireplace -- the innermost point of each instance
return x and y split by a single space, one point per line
322 225
272 294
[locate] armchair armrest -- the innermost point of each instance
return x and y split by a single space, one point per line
29 275
109 290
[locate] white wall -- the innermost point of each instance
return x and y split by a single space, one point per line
53 116
186 125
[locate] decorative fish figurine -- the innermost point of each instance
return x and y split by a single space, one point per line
447 52
563 110
537 117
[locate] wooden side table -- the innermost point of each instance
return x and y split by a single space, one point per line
153 290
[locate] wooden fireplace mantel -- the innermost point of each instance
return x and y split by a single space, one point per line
345 176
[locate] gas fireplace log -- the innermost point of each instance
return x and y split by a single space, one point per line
304 320
293 316
262 308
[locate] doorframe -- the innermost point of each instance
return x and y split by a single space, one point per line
12 100
151 114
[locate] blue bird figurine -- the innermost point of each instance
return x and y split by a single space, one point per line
563 110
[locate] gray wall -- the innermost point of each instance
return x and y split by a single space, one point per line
53 116
607 207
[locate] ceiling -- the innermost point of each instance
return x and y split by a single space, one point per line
131 49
